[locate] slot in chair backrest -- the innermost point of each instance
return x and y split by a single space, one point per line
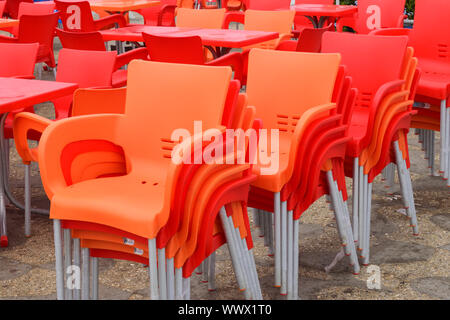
376 14
268 4
272 21
430 35
174 49
153 111
17 59
86 68
75 15
200 18
276 78
81 40
370 60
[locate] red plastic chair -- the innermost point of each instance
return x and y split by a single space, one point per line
375 14
232 5
188 50
33 9
39 29
12 7
162 15
77 16
309 40
94 41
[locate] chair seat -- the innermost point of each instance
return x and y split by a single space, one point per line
434 84
130 203
119 78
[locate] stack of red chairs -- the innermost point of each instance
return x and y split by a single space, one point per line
380 121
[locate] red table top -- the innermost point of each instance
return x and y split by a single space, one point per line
122 5
210 37
324 10
20 93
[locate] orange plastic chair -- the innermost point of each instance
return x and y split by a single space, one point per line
150 212
375 14
205 19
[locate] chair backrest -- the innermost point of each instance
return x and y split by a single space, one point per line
370 60
310 39
174 49
81 40
202 18
430 35
33 9
267 4
17 59
93 101
153 111
86 68
302 20
152 14
75 15
376 14
275 79
12 7
272 21
38 28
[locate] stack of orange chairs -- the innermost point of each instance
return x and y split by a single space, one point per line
127 191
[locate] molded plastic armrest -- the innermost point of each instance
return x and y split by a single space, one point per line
110 21
24 122
391 32
125 58
8 39
63 132
234 60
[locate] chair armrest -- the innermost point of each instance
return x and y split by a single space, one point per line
167 10
24 77
234 60
391 32
110 21
125 58
24 122
287 45
8 39
232 16
63 132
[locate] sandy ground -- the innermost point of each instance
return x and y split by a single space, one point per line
412 267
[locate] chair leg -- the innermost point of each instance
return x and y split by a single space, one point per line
162 274
27 197
170 279
77 263
295 262
85 261
187 288
433 153
233 250
277 218
67 259
447 146
262 224
283 289
94 278
205 267
355 199
58 259
367 223
212 272
153 269
178 284
443 141
290 252
360 207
